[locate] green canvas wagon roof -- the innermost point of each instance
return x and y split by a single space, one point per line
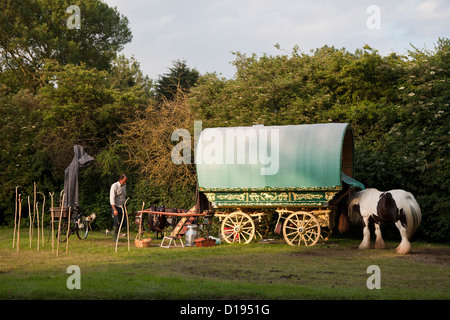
295 157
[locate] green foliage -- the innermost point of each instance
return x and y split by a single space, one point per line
32 31
329 85
179 77
85 106
78 105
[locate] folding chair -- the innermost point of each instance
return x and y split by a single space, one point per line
177 233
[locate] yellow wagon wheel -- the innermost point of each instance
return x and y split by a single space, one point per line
238 227
301 228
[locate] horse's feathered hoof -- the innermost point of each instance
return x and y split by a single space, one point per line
404 248
364 246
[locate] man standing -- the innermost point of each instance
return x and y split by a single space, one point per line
117 196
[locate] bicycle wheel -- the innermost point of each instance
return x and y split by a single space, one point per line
63 235
82 227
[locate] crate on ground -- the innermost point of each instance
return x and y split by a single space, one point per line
205 242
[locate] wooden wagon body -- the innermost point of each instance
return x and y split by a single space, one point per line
301 172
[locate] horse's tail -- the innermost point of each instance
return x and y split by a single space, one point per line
411 210
413 214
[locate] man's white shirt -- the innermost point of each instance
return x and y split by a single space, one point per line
117 194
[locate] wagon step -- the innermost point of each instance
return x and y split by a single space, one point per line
187 221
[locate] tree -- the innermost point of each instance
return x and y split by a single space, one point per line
59 87
21 163
82 105
78 105
150 146
180 76
32 31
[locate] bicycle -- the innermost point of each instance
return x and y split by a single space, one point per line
79 223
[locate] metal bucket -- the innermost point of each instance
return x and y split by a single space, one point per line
191 235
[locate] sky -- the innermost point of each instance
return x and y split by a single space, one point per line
204 33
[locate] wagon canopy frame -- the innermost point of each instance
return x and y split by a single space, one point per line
314 161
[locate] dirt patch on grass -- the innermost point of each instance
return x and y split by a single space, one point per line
428 255
438 256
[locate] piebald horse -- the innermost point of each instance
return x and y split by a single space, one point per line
397 206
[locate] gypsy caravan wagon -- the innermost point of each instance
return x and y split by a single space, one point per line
302 173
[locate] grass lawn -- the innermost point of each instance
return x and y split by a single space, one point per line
335 270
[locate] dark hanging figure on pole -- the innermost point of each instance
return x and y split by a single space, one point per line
80 159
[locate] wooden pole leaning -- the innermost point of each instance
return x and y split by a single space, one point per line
128 224
34 210
120 227
68 230
42 218
140 220
15 218
30 234
38 233
59 224
53 216
18 224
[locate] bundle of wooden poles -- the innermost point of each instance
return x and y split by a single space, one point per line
33 214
